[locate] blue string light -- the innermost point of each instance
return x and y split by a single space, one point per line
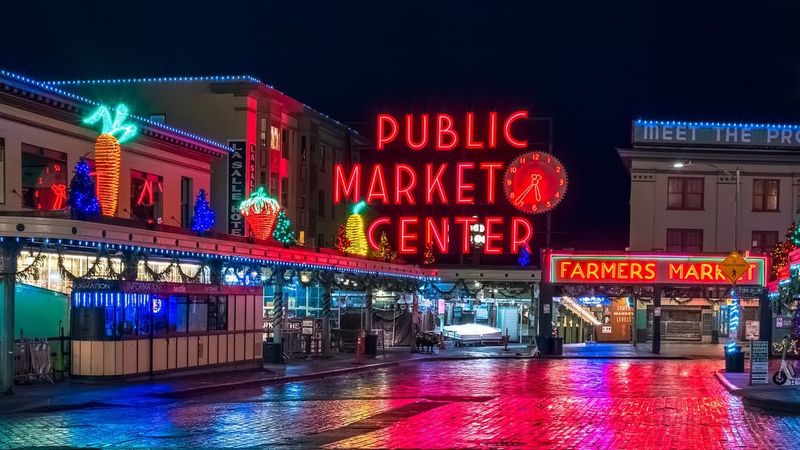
51 87
713 124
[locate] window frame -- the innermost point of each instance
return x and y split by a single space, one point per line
761 234
684 194
764 183
684 232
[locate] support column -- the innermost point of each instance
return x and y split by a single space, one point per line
657 290
277 307
545 325
764 318
327 298
368 303
8 278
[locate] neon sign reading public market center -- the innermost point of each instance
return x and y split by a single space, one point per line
453 161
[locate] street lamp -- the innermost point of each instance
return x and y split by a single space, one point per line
737 219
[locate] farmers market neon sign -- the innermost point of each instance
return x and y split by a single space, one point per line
644 268
475 177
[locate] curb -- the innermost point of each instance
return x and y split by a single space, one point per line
732 388
753 399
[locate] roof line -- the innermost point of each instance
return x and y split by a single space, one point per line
48 86
702 124
190 79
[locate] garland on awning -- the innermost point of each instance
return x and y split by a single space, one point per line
33 271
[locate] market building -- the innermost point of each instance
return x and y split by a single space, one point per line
100 240
278 142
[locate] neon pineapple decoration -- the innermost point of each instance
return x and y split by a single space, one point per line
260 211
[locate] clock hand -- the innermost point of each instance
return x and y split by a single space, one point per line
534 182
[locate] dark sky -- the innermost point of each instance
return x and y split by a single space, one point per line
593 66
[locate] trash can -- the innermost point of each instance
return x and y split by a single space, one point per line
543 345
556 346
734 360
371 345
273 353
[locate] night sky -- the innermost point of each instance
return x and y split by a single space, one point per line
593 66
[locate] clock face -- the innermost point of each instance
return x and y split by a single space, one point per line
535 182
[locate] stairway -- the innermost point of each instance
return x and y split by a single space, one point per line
580 310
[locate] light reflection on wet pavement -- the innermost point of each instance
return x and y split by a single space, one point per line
454 404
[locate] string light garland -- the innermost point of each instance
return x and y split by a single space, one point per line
260 211
342 242
355 231
524 258
385 251
283 230
427 255
108 153
204 217
83 200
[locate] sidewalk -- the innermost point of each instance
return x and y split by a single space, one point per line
67 396
784 398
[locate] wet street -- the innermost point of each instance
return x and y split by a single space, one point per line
455 404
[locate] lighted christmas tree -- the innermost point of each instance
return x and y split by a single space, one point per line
794 235
524 258
283 230
203 218
355 231
427 254
82 196
342 243
385 251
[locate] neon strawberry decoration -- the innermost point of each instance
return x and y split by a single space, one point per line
260 211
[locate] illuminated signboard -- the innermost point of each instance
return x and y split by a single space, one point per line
442 161
646 268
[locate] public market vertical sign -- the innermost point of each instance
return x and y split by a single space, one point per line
236 186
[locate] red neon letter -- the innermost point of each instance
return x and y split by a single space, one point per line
377 185
434 183
518 240
371 231
491 236
441 236
383 138
507 129
461 187
401 191
350 188
405 235
491 168
470 143
410 134
492 130
444 125
465 222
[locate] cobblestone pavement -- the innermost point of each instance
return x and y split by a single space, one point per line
451 404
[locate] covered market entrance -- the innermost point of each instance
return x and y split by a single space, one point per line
646 298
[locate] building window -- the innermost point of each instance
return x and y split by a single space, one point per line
285 143
321 204
275 138
218 313
273 184
685 193
301 201
765 195
186 201
3 171
263 134
303 149
322 151
262 178
284 191
764 241
146 196
44 178
684 240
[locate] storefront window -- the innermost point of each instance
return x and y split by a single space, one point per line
198 313
129 322
177 314
44 178
218 313
146 196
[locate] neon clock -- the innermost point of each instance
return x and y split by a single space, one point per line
535 182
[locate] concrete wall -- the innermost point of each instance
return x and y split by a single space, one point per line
650 217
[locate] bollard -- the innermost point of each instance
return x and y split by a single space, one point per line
360 346
506 338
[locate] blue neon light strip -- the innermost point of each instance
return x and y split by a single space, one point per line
50 87
713 124
198 255
107 299
212 79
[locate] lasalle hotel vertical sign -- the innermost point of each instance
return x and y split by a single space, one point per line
241 179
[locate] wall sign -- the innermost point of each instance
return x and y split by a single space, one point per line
715 134
759 362
451 162
646 268
236 186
